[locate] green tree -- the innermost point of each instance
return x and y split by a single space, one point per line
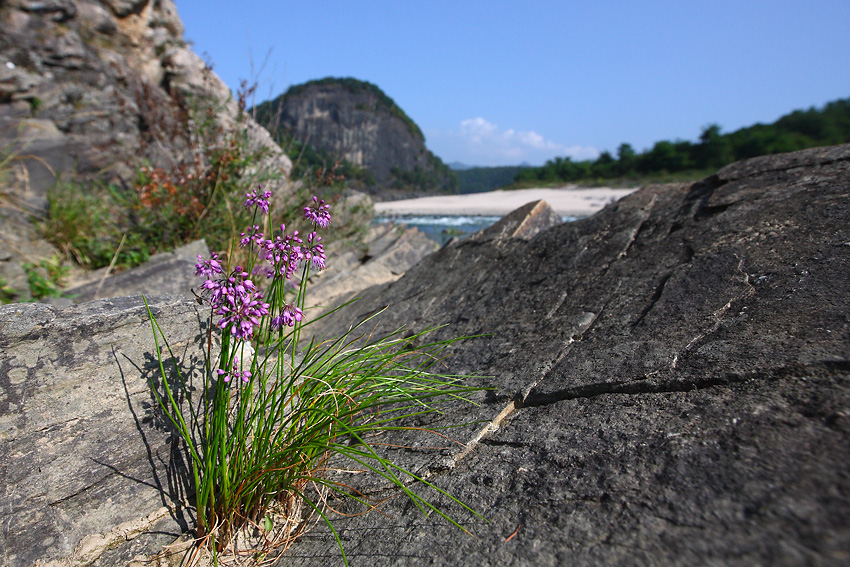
626 159
713 149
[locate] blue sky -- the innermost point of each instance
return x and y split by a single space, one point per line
504 82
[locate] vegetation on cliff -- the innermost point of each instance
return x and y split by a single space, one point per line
798 130
100 224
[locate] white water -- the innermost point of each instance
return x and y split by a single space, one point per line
442 227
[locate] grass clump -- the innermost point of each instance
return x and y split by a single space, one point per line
274 413
8 294
90 224
46 278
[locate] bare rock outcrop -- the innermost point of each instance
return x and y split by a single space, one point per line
672 383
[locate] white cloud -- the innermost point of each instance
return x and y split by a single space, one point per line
479 142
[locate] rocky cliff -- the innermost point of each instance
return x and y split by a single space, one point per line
90 91
97 87
355 121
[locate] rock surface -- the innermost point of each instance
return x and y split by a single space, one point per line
672 383
166 273
89 469
671 387
392 250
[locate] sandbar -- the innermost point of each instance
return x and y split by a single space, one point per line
568 201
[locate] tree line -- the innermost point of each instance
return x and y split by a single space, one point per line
798 130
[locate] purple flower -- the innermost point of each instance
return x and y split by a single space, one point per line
254 235
238 301
261 201
288 317
318 213
234 373
241 312
283 254
314 251
208 268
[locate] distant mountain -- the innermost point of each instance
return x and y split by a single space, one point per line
356 121
458 166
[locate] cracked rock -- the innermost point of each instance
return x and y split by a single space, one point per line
671 377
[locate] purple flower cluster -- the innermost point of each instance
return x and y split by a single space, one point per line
318 213
235 297
289 315
237 300
261 201
234 373
314 251
253 235
208 268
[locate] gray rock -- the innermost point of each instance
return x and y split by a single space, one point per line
672 384
392 250
87 461
166 273
15 281
526 222
123 8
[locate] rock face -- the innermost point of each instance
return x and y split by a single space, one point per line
94 87
90 472
672 383
356 121
91 90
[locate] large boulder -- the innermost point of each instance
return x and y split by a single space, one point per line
90 472
672 384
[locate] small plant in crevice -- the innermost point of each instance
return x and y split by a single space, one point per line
275 410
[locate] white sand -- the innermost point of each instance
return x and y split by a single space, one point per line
566 201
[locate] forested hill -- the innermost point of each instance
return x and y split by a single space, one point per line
798 130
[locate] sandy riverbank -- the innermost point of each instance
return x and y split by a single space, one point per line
566 201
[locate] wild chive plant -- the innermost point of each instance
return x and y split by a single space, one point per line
274 412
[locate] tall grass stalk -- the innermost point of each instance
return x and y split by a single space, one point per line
275 411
